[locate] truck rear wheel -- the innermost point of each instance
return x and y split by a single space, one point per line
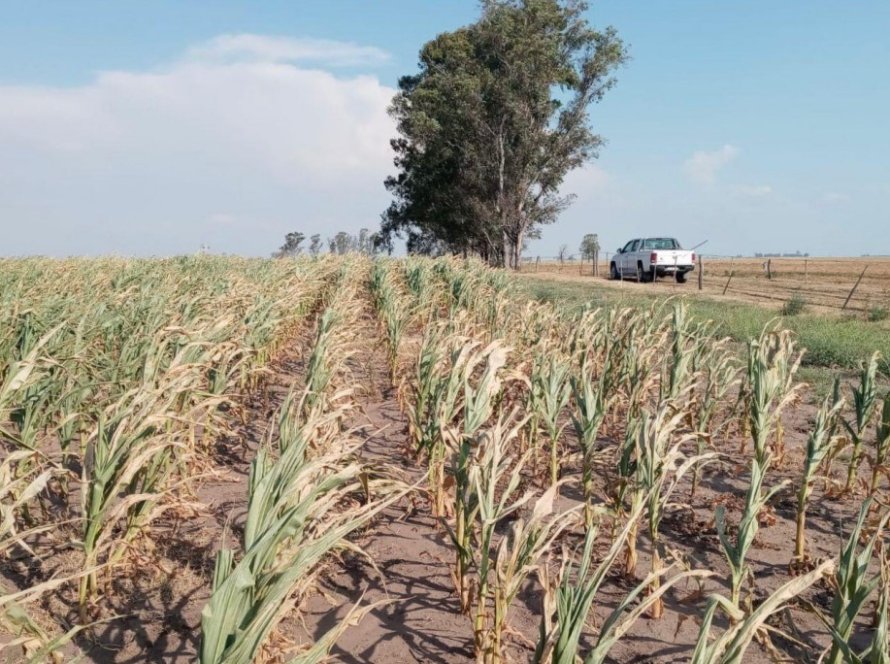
645 276
681 277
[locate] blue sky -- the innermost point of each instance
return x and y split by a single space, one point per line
156 127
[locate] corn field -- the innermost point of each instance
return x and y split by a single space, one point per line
224 460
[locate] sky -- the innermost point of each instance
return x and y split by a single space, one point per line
158 128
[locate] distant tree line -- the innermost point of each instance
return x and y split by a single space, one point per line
491 124
796 254
364 242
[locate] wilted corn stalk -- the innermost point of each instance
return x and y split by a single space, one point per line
879 650
446 381
864 399
638 373
882 446
731 645
591 405
519 554
566 607
683 349
661 466
319 371
719 377
550 391
392 309
772 363
20 377
628 459
852 584
423 389
481 465
736 551
123 476
468 452
819 444
296 516
26 634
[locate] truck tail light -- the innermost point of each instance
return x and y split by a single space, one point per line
693 257
653 257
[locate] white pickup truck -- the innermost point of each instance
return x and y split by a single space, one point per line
646 259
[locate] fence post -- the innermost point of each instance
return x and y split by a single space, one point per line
537 261
855 286
701 274
769 268
731 272
806 265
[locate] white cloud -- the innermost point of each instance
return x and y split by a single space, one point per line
754 191
143 162
270 48
702 166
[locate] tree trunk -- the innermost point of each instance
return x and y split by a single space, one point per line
517 250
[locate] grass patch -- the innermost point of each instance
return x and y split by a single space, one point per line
830 341
794 306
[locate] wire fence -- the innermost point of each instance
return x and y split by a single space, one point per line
853 284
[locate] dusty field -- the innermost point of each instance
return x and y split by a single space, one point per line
820 282
401 563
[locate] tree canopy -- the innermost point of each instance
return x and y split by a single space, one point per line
491 124
590 246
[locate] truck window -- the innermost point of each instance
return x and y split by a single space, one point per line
660 243
628 246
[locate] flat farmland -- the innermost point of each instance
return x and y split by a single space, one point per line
823 283
227 461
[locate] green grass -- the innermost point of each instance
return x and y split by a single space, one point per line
831 341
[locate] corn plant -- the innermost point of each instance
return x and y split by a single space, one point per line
772 363
122 478
819 444
661 466
882 446
392 309
628 460
481 464
451 391
591 405
20 377
291 525
419 401
682 353
736 551
518 555
567 606
852 584
879 650
469 452
864 399
719 376
16 490
319 369
730 646
549 395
